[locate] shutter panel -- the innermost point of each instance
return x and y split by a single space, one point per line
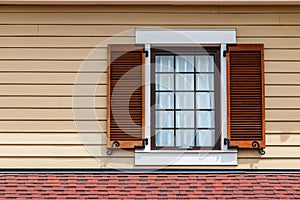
246 107
125 112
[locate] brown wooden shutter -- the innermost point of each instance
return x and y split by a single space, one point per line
125 113
246 106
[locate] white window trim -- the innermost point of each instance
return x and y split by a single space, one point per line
147 156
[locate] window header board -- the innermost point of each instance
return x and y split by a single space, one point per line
166 36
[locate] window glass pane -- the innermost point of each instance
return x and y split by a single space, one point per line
205 82
164 81
184 64
205 63
185 119
184 100
164 63
205 138
184 81
164 100
185 138
205 100
164 119
205 119
164 138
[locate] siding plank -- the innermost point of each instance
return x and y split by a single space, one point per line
18 30
128 30
108 8
52 66
283 67
137 18
273 42
286 79
288 55
53 102
278 139
127 163
282 91
51 163
88 42
59 150
274 163
54 54
64 42
290 19
269 31
52 126
259 9
52 138
51 90
283 103
86 30
283 115
53 114
283 127
272 152
53 78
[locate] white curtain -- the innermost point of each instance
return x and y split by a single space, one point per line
164 100
185 100
185 82
204 63
164 119
185 138
164 81
164 63
205 138
205 100
184 64
164 138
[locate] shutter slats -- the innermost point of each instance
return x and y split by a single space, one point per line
125 95
246 121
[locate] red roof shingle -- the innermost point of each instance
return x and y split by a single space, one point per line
150 186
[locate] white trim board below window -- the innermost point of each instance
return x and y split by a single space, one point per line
186 158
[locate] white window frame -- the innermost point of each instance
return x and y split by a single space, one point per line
149 37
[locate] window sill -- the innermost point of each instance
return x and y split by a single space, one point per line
184 157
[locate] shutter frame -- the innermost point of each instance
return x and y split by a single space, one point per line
112 135
247 140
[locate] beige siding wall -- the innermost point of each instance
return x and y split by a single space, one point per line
42 48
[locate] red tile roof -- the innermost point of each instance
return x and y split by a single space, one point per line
150 186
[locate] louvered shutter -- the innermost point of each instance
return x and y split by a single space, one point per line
125 114
246 112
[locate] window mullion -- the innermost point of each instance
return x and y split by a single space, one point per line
195 120
174 106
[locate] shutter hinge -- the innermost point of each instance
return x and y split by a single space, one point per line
260 150
227 142
113 147
145 142
254 144
226 51
145 52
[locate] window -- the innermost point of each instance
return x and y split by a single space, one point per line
183 103
185 98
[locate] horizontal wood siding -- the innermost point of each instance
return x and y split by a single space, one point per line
43 47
